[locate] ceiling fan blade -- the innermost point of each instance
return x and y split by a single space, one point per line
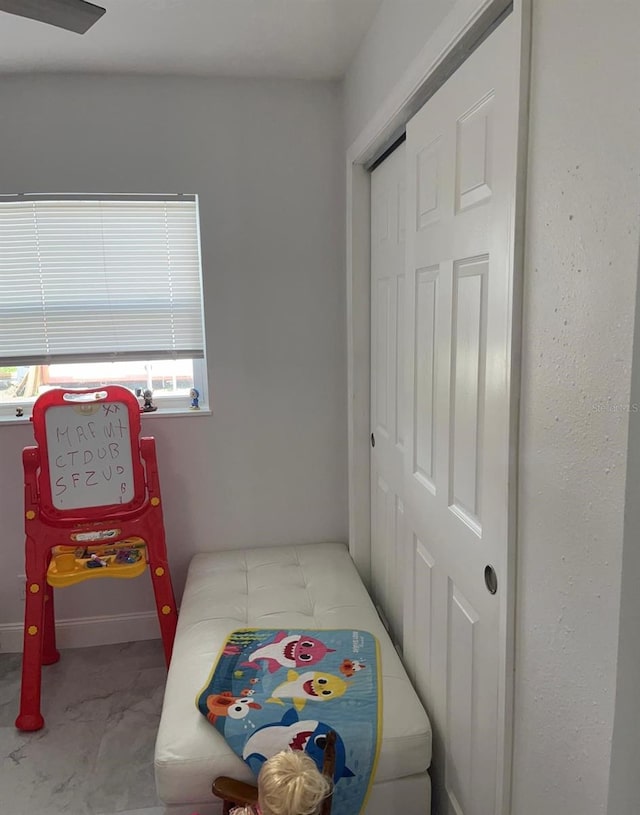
73 15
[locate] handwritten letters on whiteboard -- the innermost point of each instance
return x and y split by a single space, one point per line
89 452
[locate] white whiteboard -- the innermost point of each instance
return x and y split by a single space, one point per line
89 455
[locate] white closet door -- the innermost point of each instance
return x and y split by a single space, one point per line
461 171
388 193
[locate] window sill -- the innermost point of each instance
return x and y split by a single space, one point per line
160 413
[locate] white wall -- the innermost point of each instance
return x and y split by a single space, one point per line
398 32
265 157
581 271
581 274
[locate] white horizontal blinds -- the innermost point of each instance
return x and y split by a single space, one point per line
99 280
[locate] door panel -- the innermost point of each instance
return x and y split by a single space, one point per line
441 311
461 164
388 555
467 388
426 298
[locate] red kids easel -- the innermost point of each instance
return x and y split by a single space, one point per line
92 509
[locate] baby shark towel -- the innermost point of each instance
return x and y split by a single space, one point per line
274 690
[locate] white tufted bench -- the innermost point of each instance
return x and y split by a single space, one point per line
311 586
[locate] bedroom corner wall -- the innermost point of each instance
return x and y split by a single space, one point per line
269 466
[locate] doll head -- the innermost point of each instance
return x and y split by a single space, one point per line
291 784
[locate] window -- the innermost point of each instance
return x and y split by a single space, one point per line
97 290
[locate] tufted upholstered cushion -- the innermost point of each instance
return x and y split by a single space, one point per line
311 586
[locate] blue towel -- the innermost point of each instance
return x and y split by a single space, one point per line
272 690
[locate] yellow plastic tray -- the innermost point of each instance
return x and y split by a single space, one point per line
105 552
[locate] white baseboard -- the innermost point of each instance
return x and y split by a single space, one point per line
84 631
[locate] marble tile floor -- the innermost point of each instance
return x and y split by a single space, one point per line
94 755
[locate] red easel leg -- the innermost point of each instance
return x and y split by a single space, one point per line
157 552
30 717
50 653
165 604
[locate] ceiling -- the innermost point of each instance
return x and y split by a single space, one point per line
304 39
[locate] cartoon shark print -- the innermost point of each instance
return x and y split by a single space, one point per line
290 733
291 651
226 704
312 685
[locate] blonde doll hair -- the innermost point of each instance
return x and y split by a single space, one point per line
291 784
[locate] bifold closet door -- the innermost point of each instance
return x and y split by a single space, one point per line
442 415
461 185
388 550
